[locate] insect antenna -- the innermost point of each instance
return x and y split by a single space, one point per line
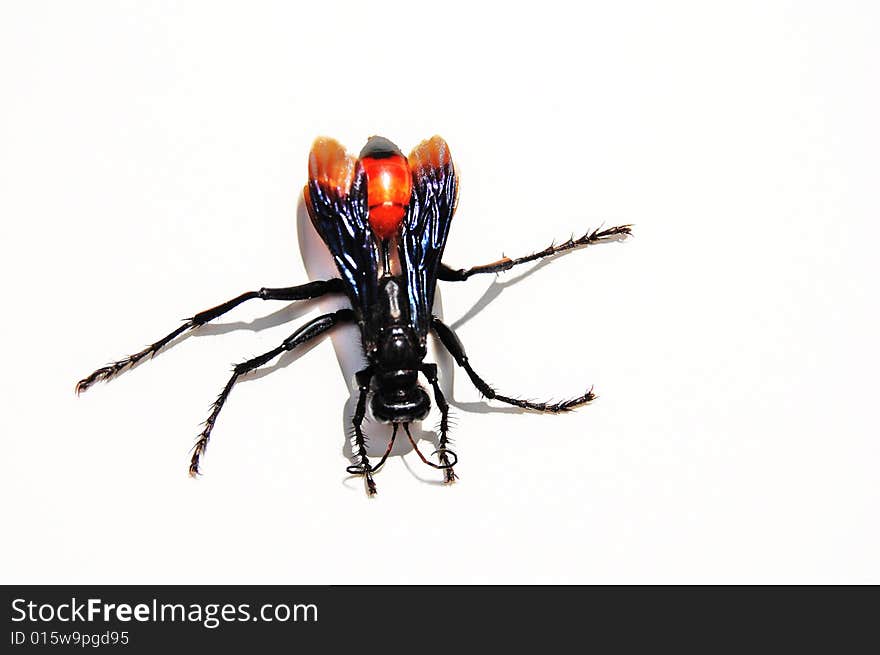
387 450
423 458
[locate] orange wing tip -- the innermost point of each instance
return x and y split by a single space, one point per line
330 165
431 153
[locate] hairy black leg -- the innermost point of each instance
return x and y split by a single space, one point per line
430 371
300 292
451 342
307 332
505 263
360 440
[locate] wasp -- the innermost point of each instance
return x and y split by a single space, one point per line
385 219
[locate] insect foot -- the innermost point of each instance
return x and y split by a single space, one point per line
367 472
449 475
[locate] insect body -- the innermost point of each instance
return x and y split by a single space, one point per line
385 219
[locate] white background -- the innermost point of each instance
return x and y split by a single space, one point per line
151 161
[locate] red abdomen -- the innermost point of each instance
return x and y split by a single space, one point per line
389 185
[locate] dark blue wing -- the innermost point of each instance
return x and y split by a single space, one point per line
426 226
336 199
